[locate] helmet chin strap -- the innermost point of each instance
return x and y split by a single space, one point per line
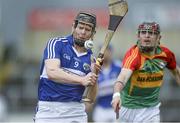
78 42
86 44
145 49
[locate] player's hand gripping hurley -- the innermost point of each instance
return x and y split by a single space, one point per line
117 10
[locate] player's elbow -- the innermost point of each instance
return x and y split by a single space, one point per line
51 73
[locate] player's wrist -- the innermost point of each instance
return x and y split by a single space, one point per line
80 79
120 82
116 94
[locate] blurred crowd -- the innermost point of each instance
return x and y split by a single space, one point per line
17 83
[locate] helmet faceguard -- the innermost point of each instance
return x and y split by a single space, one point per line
151 28
87 18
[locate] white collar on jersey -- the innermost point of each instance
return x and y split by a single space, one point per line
77 53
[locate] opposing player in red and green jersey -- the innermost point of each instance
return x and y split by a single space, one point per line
136 91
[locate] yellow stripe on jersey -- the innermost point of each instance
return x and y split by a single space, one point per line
131 58
142 61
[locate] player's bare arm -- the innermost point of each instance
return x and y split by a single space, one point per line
120 83
94 90
57 74
176 73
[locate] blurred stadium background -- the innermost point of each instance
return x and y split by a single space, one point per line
26 26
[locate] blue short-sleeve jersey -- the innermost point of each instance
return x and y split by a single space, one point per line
71 61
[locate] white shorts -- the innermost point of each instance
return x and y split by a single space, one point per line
151 114
101 114
57 112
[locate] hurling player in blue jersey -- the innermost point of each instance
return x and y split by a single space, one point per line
65 71
103 111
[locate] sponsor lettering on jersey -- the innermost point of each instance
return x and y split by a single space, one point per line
66 56
149 78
